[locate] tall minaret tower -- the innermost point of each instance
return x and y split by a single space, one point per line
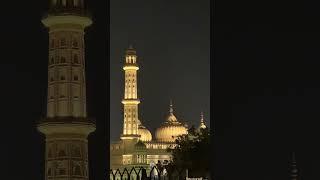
293 168
130 101
66 125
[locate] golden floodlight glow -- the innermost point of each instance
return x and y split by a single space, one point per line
145 134
131 67
130 101
171 129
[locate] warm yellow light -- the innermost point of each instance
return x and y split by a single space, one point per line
131 101
130 67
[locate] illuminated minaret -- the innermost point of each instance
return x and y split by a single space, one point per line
293 168
66 125
202 123
130 101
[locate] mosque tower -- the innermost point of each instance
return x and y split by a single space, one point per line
293 168
132 126
66 125
130 101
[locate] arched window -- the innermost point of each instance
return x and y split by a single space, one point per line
75 43
75 59
63 42
62 171
52 43
77 170
51 61
63 59
76 152
75 78
62 78
49 172
49 153
62 153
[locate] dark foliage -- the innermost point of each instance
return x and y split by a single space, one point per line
192 152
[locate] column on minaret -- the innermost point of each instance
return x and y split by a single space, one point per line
66 84
130 101
66 126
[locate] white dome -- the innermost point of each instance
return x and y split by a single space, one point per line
170 132
170 129
145 134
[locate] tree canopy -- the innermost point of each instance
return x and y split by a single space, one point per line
192 152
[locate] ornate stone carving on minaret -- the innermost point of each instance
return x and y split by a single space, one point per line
66 126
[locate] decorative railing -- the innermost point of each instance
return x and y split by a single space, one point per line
154 173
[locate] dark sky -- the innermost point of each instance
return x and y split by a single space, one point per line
172 39
267 89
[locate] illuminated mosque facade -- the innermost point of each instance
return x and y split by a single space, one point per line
137 147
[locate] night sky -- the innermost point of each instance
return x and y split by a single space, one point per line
172 40
267 89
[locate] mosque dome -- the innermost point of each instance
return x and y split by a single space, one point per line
145 134
170 129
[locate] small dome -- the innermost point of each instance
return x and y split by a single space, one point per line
145 134
170 129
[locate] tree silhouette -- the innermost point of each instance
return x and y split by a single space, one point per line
192 152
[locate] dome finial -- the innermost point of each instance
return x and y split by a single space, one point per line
202 124
171 107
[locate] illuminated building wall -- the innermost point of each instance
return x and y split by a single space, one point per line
66 126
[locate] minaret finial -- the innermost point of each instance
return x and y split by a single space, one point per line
202 124
201 115
293 157
293 169
171 107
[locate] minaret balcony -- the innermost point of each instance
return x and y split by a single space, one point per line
130 66
68 11
67 120
67 16
131 101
